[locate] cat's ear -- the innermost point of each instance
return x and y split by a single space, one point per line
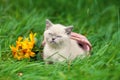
48 24
68 30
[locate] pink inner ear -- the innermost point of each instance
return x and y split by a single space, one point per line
68 30
48 24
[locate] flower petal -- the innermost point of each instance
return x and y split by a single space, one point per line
32 54
20 38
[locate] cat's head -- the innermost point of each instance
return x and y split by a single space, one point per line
56 34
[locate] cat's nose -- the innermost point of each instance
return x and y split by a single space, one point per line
53 39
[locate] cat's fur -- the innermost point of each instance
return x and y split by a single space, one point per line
59 46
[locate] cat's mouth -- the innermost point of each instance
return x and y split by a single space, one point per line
53 42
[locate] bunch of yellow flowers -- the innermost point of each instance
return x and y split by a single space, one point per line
24 46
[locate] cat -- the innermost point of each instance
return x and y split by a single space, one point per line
59 47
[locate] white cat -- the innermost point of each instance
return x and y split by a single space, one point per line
59 47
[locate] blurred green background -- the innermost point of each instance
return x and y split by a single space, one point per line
98 20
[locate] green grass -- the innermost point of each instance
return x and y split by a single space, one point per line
98 20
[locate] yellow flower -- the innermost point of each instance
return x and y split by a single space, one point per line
23 48
32 37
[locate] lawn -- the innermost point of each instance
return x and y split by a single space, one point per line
98 20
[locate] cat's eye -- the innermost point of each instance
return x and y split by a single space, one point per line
59 36
50 34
